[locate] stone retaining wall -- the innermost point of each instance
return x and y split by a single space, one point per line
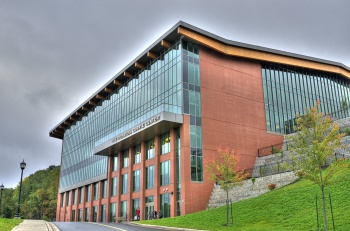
249 190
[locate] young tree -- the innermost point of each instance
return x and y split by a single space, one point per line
314 143
221 168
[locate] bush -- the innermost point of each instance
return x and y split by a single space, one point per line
253 180
275 150
271 186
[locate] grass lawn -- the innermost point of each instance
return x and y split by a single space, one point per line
9 224
288 208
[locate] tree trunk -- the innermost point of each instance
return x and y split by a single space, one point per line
324 210
227 207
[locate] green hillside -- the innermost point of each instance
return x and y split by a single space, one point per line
38 197
288 208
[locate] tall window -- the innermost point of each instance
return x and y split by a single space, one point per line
103 213
136 181
104 189
123 209
150 149
165 204
112 212
165 173
62 199
96 191
80 214
124 183
192 106
115 163
74 196
125 158
87 214
150 177
94 213
68 198
114 187
80 191
135 205
137 157
87 193
73 215
165 143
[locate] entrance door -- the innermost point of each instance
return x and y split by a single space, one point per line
149 208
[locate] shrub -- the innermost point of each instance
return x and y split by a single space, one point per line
253 180
275 150
271 186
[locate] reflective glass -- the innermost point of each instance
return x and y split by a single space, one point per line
289 90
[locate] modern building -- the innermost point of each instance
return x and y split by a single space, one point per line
142 139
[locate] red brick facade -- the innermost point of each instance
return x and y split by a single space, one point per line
233 115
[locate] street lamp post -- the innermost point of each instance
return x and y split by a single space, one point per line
1 188
23 166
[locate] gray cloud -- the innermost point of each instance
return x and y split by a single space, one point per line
55 54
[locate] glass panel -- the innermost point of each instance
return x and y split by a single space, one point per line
289 90
165 143
150 149
137 157
149 177
136 181
112 212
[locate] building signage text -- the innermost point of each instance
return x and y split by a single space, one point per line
136 129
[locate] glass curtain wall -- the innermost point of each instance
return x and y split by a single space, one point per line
192 106
152 90
289 90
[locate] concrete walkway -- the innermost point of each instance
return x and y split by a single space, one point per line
35 225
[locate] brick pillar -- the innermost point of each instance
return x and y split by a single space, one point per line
99 198
84 203
90 204
172 186
129 207
156 172
58 207
70 205
142 180
185 162
119 183
109 185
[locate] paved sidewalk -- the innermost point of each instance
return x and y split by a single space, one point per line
35 225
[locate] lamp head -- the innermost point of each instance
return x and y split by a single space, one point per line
23 165
2 186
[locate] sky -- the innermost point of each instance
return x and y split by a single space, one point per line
56 54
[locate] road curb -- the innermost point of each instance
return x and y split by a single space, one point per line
164 227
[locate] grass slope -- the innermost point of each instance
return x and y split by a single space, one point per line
9 224
288 208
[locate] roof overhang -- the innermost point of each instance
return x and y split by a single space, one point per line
197 35
148 129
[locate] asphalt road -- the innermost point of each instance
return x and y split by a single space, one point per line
87 226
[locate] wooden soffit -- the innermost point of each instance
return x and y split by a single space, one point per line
243 52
